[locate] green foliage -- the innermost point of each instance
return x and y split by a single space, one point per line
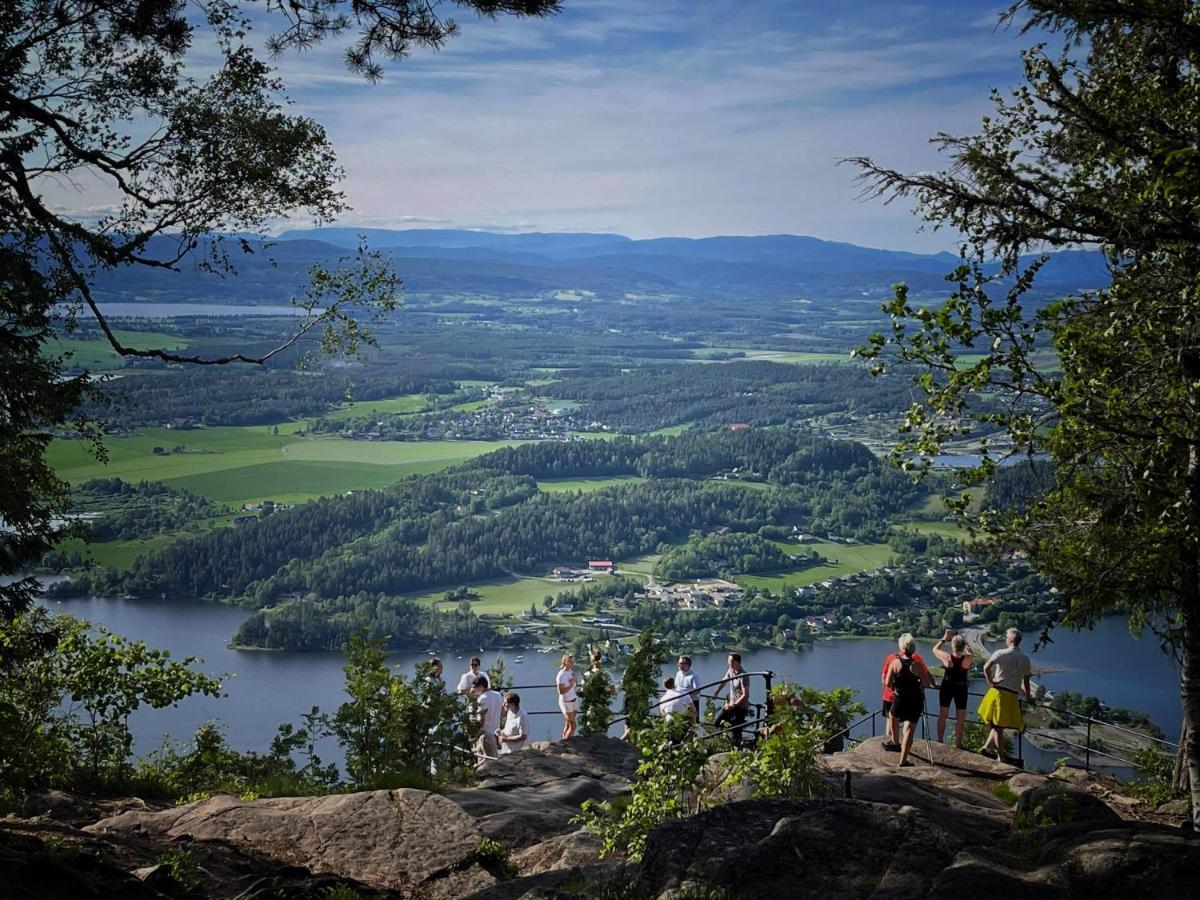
499 678
208 765
340 892
787 762
640 681
595 702
1001 791
395 730
183 867
492 855
723 554
665 788
65 708
1155 783
1057 808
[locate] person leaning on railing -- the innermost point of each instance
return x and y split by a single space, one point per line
737 702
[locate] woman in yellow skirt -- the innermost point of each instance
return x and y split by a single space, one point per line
1006 671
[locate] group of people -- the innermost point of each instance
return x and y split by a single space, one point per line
504 726
906 677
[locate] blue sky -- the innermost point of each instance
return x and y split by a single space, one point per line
668 117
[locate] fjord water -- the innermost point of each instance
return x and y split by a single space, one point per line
266 688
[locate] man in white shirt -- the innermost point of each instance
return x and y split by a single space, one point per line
467 681
672 702
515 732
490 707
688 682
1006 671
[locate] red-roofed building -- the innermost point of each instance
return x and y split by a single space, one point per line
600 565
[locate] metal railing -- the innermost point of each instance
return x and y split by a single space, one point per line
1085 750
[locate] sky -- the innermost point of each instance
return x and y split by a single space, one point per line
671 117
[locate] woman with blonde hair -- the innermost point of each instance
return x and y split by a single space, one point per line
957 664
566 683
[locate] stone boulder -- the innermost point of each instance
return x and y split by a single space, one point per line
409 841
527 800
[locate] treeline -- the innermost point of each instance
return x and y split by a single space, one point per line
131 511
486 519
227 562
724 554
710 396
235 396
618 522
1015 487
399 624
777 456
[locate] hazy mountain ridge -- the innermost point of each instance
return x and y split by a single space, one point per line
610 266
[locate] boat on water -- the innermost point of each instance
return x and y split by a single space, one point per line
519 659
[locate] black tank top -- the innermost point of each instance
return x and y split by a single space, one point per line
955 673
906 682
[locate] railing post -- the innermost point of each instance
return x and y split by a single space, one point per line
767 676
1087 748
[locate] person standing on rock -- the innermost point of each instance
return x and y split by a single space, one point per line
908 678
891 739
467 681
957 664
491 709
688 682
566 682
515 732
1006 671
737 702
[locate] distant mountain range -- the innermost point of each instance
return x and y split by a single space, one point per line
611 266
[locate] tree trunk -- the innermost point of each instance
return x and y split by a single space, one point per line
1189 680
1179 775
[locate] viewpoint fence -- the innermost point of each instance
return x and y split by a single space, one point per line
1091 747
759 712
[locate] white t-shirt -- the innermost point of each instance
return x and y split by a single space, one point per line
515 723
1010 668
686 681
566 678
673 702
491 705
467 682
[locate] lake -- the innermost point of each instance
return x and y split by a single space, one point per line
266 688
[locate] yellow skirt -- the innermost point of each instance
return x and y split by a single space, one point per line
1001 708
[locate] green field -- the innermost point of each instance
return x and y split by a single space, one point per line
844 559
781 356
504 596
559 485
118 554
403 405
238 465
97 353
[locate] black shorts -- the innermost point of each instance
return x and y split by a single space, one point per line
908 708
955 692
887 708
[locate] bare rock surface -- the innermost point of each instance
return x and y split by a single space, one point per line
529 798
410 841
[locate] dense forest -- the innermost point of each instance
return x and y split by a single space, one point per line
756 393
251 396
486 518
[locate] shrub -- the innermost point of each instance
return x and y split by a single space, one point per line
664 788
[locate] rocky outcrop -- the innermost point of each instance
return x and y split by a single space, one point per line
409 841
415 842
953 825
527 800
